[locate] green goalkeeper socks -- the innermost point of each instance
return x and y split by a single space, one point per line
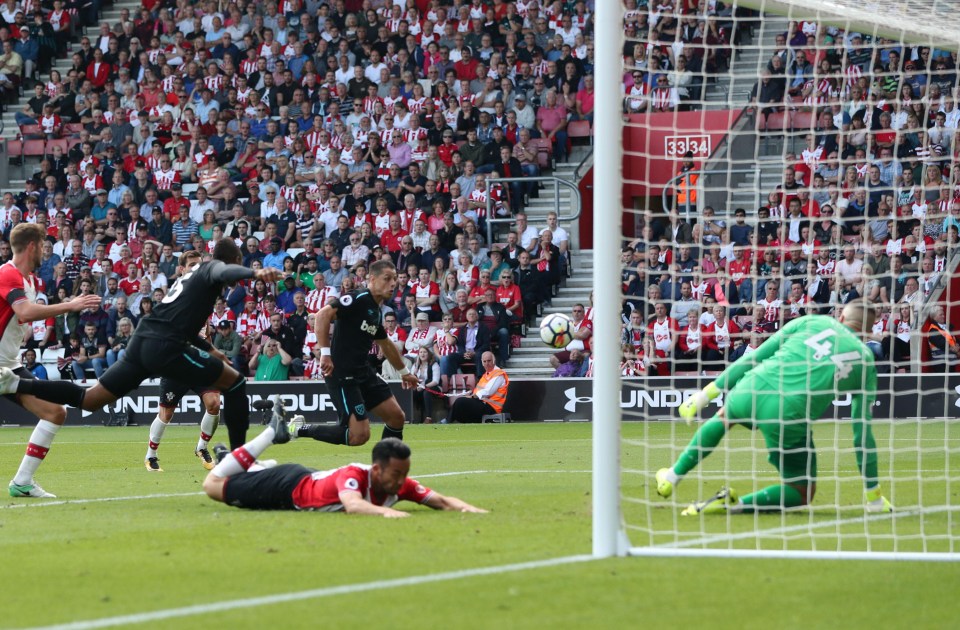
704 441
772 498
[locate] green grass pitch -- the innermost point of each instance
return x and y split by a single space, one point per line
92 559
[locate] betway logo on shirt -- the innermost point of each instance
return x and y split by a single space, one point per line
370 329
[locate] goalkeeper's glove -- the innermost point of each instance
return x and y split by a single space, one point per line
690 409
876 502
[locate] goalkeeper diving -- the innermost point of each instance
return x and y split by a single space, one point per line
779 390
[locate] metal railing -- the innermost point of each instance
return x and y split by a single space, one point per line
701 190
587 158
557 183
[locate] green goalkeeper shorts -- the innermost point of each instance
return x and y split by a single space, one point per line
783 422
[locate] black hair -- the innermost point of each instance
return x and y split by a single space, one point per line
227 251
379 267
390 448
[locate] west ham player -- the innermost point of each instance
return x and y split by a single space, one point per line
355 388
166 344
18 288
355 489
171 392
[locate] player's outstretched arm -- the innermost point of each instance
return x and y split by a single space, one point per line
730 377
354 503
438 501
31 311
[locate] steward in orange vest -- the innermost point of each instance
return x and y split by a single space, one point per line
488 396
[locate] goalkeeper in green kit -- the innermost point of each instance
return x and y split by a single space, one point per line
789 381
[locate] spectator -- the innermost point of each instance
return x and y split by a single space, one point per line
472 339
92 353
272 363
942 344
488 397
427 369
29 361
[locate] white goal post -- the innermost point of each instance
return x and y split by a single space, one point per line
916 418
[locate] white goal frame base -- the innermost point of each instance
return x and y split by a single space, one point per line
769 554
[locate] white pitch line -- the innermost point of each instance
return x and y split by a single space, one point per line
790 529
279 598
33 503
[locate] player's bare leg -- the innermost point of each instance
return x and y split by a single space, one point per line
52 418
244 457
208 426
59 392
151 460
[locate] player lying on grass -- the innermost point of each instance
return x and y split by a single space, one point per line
355 488
166 345
19 307
790 380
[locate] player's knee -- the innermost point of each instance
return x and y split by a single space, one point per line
57 414
213 486
212 405
360 435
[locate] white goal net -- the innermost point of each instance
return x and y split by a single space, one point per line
781 160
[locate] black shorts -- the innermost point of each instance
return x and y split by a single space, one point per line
270 489
172 391
146 357
356 394
22 372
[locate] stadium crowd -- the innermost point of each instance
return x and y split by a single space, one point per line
320 136
868 206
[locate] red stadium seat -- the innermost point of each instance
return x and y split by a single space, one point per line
463 382
72 129
580 129
544 152
802 121
33 147
15 149
777 122
63 143
31 131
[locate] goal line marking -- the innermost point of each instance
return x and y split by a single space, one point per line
317 593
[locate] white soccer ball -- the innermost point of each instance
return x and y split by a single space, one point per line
556 330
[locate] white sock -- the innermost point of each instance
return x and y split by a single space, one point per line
207 427
243 458
672 477
37 447
157 427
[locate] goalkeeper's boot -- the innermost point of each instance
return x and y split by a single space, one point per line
664 485
220 451
721 503
279 422
31 489
205 458
152 464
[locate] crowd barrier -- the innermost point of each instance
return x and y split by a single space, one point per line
901 396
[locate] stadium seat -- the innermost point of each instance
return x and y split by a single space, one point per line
259 235
189 189
544 153
33 148
63 143
31 131
293 252
777 122
72 129
801 121
580 129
